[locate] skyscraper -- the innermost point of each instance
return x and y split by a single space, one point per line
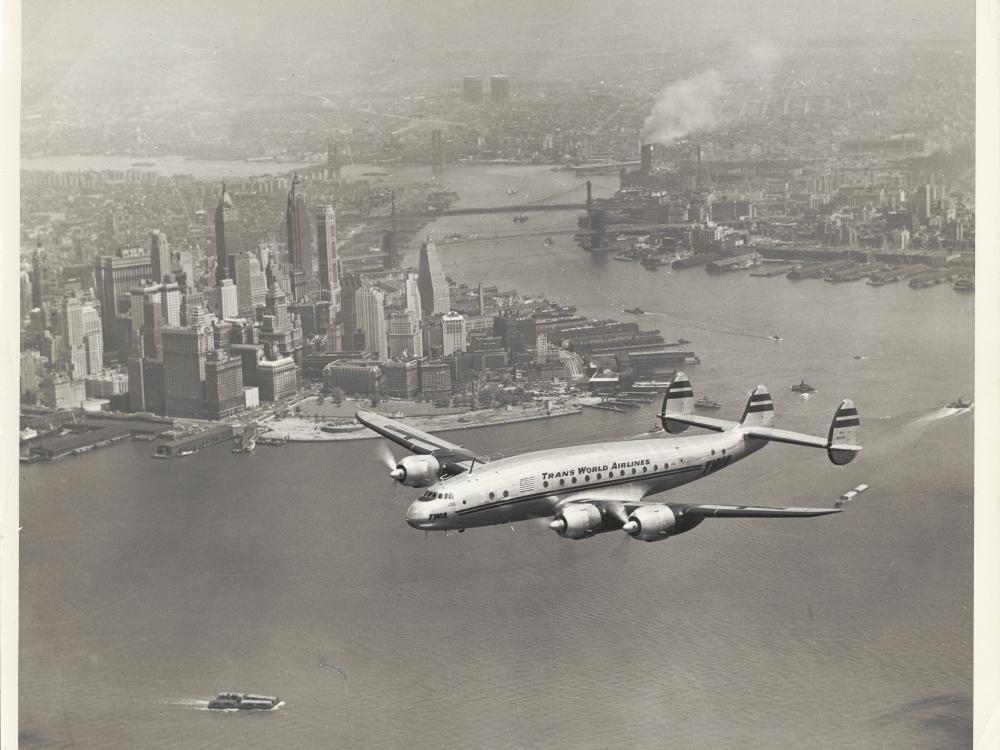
279 331
431 282
299 234
159 253
326 248
228 303
369 312
74 353
413 295
227 235
223 385
250 284
453 331
185 352
472 89
405 335
93 340
499 88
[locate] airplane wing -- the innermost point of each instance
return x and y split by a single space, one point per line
754 511
415 440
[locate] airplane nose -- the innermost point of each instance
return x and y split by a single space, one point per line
416 516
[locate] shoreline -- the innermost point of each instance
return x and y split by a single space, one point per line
295 430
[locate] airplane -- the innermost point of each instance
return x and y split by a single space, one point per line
600 487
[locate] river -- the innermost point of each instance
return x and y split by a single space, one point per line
147 586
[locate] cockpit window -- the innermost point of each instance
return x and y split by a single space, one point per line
433 495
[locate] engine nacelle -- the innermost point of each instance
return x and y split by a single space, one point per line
578 521
651 524
417 471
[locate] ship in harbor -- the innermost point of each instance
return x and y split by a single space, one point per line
961 403
706 403
243 702
246 441
803 387
635 310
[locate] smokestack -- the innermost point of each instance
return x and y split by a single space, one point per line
646 158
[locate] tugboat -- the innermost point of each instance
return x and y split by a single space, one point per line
243 702
961 403
803 387
246 441
774 337
635 310
683 341
706 403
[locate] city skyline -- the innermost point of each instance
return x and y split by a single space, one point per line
238 228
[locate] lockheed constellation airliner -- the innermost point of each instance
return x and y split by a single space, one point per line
600 487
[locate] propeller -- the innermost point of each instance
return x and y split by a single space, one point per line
386 457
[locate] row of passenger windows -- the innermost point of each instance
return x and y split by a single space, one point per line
586 478
431 495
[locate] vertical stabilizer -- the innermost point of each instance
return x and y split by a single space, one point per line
843 439
677 401
759 411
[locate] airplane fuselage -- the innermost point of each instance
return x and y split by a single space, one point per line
534 484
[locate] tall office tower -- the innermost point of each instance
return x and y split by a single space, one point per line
250 284
405 337
25 294
227 234
228 299
170 304
41 276
326 248
431 282
93 340
298 231
279 330
348 321
74 353
369 312
159 252
472 89
453 330
185 351
114 279
223 385
194 314
499 88
413 295
142 297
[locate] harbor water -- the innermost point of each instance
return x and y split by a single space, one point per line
147 587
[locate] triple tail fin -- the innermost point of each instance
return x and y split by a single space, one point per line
759 411
843 444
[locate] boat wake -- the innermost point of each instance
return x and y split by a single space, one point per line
945 412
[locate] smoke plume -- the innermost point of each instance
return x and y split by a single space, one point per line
684 106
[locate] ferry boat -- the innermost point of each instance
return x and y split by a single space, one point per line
635 310
243 702
803 387
187 452
961 403
706 403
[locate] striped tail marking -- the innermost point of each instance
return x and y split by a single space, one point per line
679 401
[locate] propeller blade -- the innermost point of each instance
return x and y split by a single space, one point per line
385 456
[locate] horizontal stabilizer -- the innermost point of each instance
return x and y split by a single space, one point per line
696 420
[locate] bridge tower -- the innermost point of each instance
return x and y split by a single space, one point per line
333 161
597 219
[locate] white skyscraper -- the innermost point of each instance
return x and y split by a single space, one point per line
228 300
413 295
251 284
170 304
93 340
405 335
74 352
453 331
369 314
